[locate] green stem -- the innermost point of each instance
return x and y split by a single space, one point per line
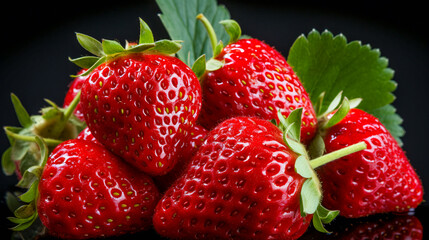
210 30
59 126
317 162
48 141
70 109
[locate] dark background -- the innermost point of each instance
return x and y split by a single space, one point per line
37 39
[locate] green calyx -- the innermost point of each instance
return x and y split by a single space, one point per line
53 125
109 49
339 106
328 116
24 204
311 191
30 145
234 31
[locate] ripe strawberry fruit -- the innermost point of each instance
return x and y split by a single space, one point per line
86 192
73 89
376 180
86 135
195 139
139 101
245 182
240 184
254 80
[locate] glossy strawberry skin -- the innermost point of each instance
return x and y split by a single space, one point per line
73 89
376 180
241 184
255 81
195 139
87 192
141 107
86 135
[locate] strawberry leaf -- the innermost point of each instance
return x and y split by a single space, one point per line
180 21
328 64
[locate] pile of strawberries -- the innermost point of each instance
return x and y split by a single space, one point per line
230 148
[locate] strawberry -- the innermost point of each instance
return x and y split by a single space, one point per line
86 192
139 101
86 135
195 139
73 90
376 180
252 79
244 182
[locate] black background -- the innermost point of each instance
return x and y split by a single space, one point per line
37 39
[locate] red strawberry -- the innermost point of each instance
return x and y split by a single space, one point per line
376 180
87 136
255 80
195 139
86 192
140 103
243 183
73 90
